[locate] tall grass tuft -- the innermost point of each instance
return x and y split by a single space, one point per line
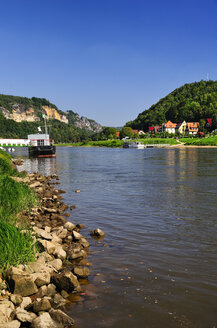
15 247
14 197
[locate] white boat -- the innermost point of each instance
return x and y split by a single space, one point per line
134 144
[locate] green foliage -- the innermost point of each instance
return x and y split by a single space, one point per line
126 132
209 141
191 102
15 247
7 101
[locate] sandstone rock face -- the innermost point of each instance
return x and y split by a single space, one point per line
52 113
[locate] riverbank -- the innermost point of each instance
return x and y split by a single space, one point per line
35 289
170 142
119 143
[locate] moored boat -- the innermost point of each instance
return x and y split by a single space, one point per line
40 145
134 144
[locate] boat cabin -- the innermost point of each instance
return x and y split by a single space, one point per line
39 140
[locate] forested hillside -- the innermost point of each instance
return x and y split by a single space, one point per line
20 116
191 102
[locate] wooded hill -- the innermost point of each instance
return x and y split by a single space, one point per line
191 102
20 116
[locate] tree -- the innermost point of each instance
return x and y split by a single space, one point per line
126 131
109 133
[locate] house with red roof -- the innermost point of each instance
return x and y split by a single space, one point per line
169 127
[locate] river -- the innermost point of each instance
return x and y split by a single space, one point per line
157 264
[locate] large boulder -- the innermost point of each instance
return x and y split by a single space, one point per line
61 319
41 305
22 285
11 324
66 281
44 321
97 233
81 272
25 316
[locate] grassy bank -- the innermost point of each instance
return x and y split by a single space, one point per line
209 141
15 247
119 143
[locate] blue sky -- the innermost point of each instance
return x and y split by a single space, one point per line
105 59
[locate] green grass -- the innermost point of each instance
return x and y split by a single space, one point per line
169 141
119 143
15 246
15 197
208 141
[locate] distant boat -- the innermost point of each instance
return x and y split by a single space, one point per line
40 144
134 144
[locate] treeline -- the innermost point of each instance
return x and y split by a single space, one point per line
191 102
59 131
7 101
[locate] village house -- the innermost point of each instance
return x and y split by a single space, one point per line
181 127
192 128
154 129
169 127
140 132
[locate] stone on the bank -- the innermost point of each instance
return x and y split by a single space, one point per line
25 316
6 308
76 253
45 257
60 253
26 302
56 239
81 272
62 319
84 242
51 290
43 290
43 279
42 305
62 233
69 226
47 229
56 264
44 321
16 299
43 234
58 301
22 285
10 324
76 235
48 246
97 233
66 281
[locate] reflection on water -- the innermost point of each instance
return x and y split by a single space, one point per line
156 266
46 166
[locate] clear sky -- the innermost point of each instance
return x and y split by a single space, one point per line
105 59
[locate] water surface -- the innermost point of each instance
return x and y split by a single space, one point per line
156 266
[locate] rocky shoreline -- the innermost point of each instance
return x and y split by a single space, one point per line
34 295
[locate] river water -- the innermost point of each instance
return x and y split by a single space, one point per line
157 264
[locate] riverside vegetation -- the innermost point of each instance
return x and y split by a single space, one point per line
42 256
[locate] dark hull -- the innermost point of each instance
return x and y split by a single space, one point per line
42 151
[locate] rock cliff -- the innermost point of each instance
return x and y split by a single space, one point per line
31 109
